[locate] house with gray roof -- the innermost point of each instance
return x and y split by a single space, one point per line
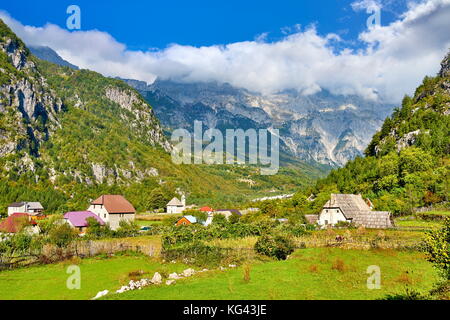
354 209
32 208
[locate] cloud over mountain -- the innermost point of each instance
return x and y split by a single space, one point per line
393 60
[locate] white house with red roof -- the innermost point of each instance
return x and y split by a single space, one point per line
112 209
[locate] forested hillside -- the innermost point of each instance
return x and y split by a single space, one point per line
67 136
407 163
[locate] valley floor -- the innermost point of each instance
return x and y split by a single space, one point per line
313 273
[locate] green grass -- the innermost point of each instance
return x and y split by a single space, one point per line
309 274
297 279
49 281
145 223
417 223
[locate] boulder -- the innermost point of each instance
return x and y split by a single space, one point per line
169 282
157 279
174 276
100 294
188 272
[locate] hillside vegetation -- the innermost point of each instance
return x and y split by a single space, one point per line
67 136
407 162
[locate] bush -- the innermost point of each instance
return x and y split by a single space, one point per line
277 246
96 231
437 247
127 229
196 253
62 235
344 225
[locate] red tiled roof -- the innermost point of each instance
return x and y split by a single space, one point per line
206 209
15 222
115 204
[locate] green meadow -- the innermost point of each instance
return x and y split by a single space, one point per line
314 273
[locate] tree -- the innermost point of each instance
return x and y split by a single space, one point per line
437 247
62 235
275 246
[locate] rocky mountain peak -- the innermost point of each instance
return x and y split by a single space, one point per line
445 66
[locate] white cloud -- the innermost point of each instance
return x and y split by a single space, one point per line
394 60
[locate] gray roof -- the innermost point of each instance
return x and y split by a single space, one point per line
175 202
35 206
16 204
358 211
30 205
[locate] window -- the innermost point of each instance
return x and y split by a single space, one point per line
326 222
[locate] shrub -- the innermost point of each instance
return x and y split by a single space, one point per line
344 225
62 235
275 246
96 231
338 265
127 229
246 268
196 253
437 247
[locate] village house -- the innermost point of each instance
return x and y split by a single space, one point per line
112 209
227 213
78 220
352 208
186 220
19 221
176 206
32 208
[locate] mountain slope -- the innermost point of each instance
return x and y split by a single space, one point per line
48 54
407 163
68 135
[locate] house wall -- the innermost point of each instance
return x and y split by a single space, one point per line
330 216
175 209
115 218
12 210
100 211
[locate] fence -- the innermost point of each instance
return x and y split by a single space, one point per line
81 249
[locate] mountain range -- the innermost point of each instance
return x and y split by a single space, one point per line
67 135
321 128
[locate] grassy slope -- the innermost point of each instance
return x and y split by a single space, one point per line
291 279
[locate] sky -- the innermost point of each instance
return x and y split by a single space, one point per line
263 46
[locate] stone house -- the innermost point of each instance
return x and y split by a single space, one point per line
32 208
354 209
176 206
112 209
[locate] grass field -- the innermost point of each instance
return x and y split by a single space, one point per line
316 273
49 281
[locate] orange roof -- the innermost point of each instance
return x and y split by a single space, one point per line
115 204
206 209
15 222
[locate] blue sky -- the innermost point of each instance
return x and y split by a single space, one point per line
255 45
149 24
